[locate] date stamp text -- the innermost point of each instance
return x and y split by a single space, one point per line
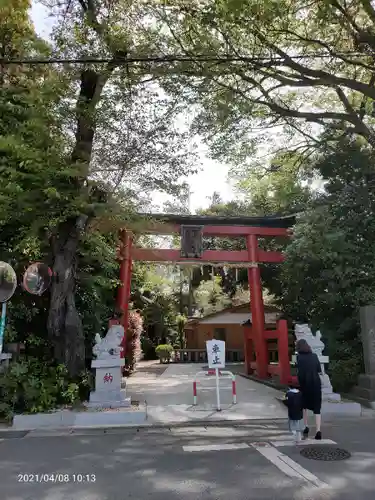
56 477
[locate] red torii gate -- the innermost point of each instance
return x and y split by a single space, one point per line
251 228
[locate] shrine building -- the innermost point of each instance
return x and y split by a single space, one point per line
228 325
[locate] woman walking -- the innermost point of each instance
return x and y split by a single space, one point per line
309 371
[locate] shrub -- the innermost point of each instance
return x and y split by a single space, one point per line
32 386
148 348
164 352
344 373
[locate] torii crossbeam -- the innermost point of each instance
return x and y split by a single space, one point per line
250 228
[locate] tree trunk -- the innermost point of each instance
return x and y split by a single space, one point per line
64 323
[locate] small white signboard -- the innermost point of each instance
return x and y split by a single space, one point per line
215 353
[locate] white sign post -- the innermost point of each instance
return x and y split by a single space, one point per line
216 360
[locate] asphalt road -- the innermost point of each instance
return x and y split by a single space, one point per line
231 462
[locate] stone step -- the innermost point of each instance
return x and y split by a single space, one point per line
341 409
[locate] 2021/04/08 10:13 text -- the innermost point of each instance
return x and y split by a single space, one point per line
56 478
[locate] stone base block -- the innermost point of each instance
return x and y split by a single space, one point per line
331 396
71 419
108 399
121 403
53 420
108 418
341 409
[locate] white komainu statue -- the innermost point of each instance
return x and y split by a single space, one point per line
110 345
303 331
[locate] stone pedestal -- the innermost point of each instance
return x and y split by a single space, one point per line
108 392
365 389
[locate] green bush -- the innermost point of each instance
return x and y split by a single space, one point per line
31 386
148 348
164 352
344 373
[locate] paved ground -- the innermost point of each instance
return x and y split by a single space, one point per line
169 396
187 463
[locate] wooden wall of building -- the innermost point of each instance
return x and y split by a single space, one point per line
197 336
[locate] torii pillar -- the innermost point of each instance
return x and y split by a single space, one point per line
257 308
123 295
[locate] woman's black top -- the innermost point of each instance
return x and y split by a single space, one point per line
309 369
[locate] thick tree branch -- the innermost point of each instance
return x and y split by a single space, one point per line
305 115
92 84
345 101
369 9
359 125
89 8
323 76
344 12
320 43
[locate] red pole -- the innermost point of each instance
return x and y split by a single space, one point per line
248 350
121 294
125 277
257 308
234 391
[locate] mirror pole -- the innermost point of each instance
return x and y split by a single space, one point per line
2 324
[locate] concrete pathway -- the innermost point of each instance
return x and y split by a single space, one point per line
169 397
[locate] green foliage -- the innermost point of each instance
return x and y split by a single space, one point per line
329 270
148 348
97 281
66 159
344 372
181 322
35 187
282 187
158 299
322 76
164 352
210 298
32 386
